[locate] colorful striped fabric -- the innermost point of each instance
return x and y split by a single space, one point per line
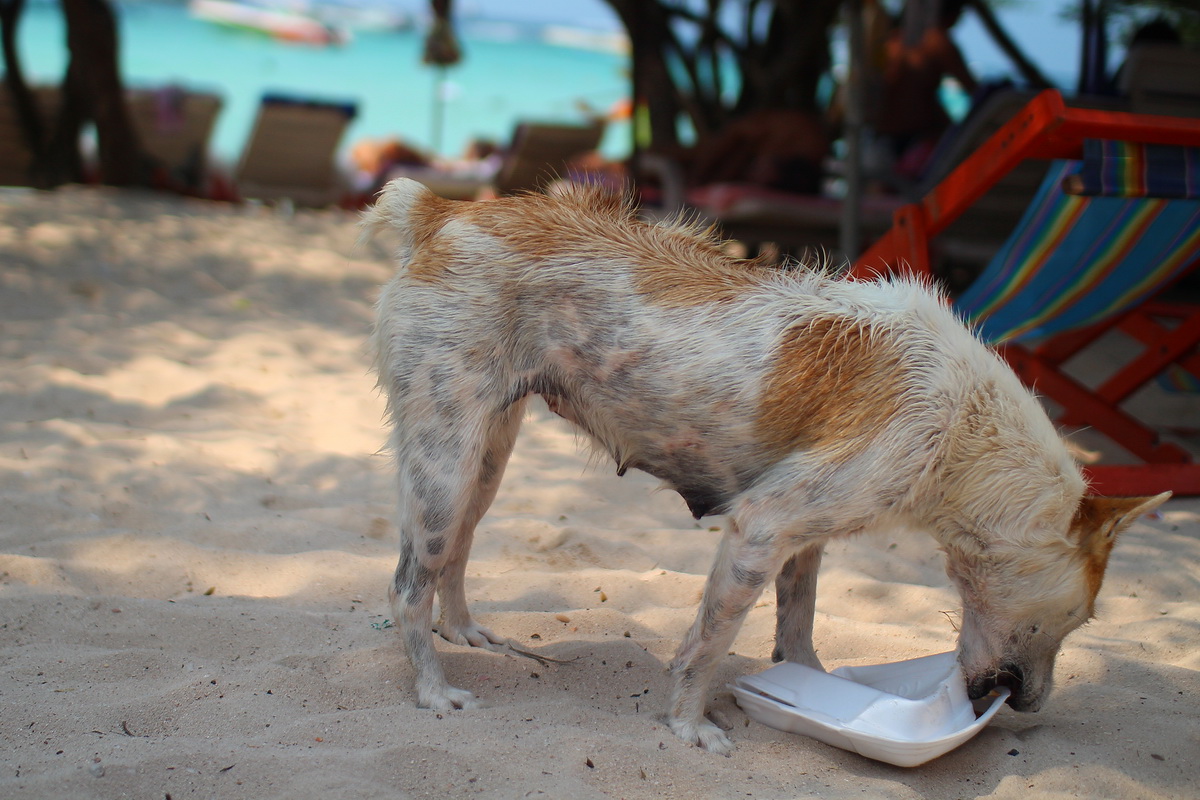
1178 380
1127 169
1074 261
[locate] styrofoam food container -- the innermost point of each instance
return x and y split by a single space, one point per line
904 713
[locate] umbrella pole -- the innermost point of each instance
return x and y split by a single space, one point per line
850 232
439 108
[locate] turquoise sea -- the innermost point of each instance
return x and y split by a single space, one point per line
509 72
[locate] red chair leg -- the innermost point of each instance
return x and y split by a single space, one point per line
1169 347
1136 480
1084 405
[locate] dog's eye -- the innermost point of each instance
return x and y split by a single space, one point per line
1034 629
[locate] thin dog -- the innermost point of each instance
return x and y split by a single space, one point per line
801 405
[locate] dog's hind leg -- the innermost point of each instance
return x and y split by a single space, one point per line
456 624
439 463
412 602
743 566
796 603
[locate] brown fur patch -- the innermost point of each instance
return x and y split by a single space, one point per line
662 284
434 260
710 276
540 227
671 265
1089 528
432 254
832 385
1097 523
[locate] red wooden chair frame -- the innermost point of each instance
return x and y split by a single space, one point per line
1049 129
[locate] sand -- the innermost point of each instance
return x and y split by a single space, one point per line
195 547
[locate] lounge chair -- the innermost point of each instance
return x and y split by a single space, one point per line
174 127
809 223
808 226
540 153
1101 241
1162 79
291 151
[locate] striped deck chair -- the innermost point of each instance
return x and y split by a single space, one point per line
292 149
1115 222
174 126
540 153
1101 236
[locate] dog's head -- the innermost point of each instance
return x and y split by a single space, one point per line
1021 599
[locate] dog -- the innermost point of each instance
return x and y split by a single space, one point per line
802 405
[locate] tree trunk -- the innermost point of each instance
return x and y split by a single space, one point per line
93 91
654 92
787 68
60 161
28 114
778 64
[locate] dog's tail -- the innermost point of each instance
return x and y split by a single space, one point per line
405 208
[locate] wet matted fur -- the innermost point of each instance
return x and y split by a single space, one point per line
801 405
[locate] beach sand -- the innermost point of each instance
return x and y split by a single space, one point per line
196 543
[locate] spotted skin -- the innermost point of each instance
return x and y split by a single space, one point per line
795 605
804 407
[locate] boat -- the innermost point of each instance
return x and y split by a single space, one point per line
380 16
281 24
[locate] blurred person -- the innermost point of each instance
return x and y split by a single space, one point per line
373 158
777 148
909 115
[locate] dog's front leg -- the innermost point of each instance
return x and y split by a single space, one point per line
743 566
796 603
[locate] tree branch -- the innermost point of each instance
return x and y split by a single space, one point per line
1029 71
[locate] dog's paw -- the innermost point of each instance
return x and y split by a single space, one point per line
446 698
797 655
703 734
470 635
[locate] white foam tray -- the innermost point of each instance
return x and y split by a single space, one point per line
904 713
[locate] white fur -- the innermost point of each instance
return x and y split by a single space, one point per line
675 359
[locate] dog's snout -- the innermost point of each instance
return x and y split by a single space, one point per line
981 686
1012 676
1009 675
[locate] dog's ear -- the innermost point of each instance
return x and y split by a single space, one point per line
1099 520
1097 523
